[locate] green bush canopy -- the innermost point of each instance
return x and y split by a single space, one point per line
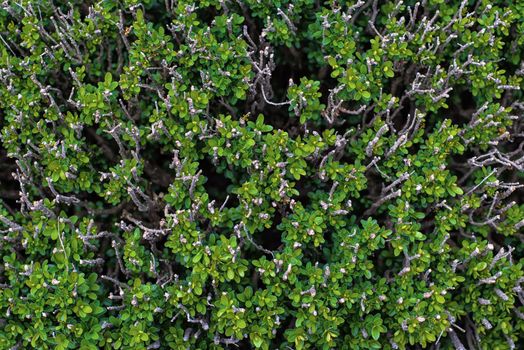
261 174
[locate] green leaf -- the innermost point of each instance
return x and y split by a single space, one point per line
458 190
87 309
375 333
108 78
481 266
197 257
257 341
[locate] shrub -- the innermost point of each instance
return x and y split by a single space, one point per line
261 174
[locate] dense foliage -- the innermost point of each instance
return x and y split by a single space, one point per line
273 174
